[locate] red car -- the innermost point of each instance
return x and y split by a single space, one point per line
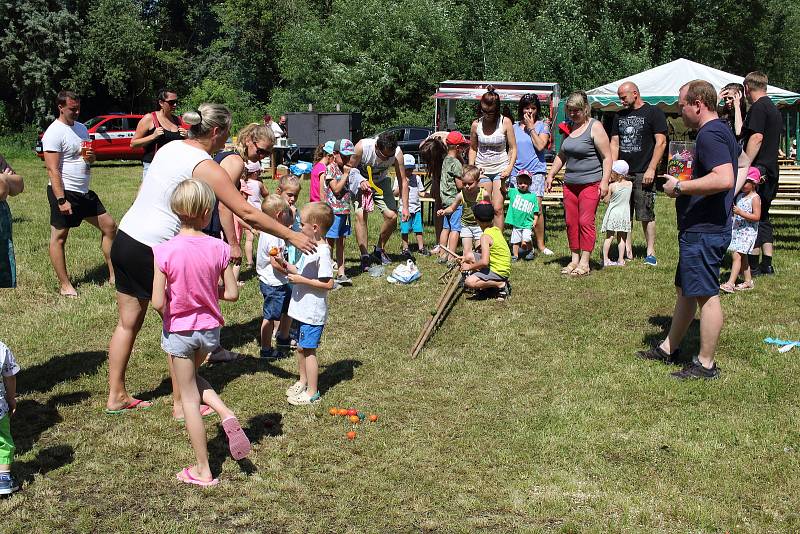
112 135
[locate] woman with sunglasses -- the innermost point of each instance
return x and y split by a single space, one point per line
491 133
158 128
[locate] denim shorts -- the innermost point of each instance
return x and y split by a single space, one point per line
489 178
185 344
340 226
413 224
452 222
276 300
699 258
308 335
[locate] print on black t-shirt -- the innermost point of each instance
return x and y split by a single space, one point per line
636 129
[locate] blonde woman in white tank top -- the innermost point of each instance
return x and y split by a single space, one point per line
493 149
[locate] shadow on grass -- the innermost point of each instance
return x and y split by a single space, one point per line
42 377
336 372
247 275
268 425
96 275
690 344
46 460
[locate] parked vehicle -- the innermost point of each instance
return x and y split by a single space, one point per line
111 135
408 137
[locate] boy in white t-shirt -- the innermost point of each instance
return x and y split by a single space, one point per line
274 285
416 190
71 201
312 279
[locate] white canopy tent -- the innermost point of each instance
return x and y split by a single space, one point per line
660 86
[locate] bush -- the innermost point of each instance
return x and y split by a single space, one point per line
243 105
19 144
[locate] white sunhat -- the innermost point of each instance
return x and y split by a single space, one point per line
620 166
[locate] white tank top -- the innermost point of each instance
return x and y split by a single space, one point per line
492 157
369 158
150 220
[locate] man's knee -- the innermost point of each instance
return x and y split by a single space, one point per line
390 216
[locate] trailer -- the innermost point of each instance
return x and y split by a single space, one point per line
307 130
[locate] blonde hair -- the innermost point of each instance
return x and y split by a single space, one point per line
470 172
206 117
578 100
273 204
289 180
253 132
318 213
191 201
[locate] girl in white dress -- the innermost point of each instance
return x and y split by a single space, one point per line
746 214
617 221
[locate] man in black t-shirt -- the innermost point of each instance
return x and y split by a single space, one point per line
639 136
762 135
703 208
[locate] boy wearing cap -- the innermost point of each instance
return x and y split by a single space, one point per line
450 183
414 222
492 267
523 209
337 196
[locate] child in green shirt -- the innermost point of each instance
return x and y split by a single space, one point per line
492 267
523 209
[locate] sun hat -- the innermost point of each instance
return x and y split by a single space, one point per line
754 175
328 147
252 166
456 138
409 162
620 166
344 147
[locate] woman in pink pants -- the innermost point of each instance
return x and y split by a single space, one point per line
586 152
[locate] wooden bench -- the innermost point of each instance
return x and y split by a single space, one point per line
787 199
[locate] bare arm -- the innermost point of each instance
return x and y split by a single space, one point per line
11 183
558 162
753 217
614 147
10 383
402 181
741 172
754 145
215 176
511 139
604 148
719 179
658 153
159 299
473 142
230 290
139 138
321 283
452 207
486 243
540 140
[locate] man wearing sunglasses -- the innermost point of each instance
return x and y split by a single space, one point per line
374 158
158 128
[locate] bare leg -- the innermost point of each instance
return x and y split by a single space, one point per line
452 243
420 241
444 238
736 265
538 228
340 255
748 277
362 236
621 244
108 230
649 228
585 256
58 239
185 377
131 316
285 326
474 282
387 228
266 333
711 320
682 317
607 246
629 244
497 203
404 239
466 247
312 370
301 365
248 247
515 250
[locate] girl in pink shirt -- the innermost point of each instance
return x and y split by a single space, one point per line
185 294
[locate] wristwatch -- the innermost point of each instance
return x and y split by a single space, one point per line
677 189
61 201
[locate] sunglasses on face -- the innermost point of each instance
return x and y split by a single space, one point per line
260 151
173 102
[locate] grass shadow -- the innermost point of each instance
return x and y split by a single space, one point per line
335 373
32 418
42 377
257 428
46 460
690 344
96 275
234 335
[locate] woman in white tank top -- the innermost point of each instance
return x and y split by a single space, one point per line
490 136
150 221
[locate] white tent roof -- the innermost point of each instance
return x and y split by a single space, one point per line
660 85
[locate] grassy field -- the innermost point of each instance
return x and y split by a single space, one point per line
531 415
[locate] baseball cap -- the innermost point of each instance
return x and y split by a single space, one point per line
483 211
456 138
328 147
620 166
344 147
409 162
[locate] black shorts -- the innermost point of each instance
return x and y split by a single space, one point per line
83 206
643 199
133 266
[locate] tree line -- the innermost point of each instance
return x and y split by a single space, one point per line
383 58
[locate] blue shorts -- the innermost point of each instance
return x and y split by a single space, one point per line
452 222
276 300
413 224
308 335
185 344
340 226
699 259
489 178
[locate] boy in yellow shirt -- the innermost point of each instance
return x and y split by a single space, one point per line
492 266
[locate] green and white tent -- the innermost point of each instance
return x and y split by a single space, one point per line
660 86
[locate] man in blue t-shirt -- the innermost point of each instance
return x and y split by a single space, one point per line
703 206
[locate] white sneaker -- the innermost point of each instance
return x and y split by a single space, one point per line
546 252
296 388
304 399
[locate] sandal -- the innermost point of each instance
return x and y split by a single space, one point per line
224 356
744 286
205 411
238 443
580 271
727 287
569 268
186 477
132 406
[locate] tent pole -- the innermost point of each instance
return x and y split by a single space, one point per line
796 132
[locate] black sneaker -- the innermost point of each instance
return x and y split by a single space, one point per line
768 270
695 369
755 271
659 355
424 251
381 256
366 261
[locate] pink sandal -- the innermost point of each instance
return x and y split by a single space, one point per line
186 477
744 286
727 287
238 443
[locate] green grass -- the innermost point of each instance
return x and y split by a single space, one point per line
531 415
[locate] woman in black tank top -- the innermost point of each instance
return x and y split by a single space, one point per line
158 128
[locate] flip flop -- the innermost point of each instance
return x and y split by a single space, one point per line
238 443
134 405
568 269
580 271
224 356
205 411
186 477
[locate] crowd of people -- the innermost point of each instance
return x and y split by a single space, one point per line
178 246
